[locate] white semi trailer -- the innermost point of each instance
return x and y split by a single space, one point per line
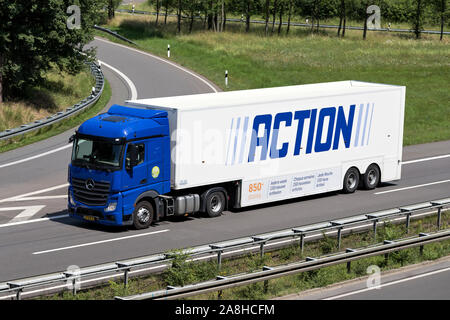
208 152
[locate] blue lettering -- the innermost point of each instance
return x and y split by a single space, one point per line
300 116
312 126
331 114
263 142
274 152
344 127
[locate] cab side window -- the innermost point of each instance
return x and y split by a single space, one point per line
141 153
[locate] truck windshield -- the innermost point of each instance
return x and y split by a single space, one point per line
99 154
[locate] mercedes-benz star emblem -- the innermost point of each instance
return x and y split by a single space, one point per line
90 184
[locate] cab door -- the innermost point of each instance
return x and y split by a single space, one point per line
136 176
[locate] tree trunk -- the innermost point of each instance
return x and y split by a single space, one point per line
179 16
417 24
343 29
365 22
281 20
289 17
191 22
274 16
1 79
266 30
442 22
167 10
247 16
157 12
341 17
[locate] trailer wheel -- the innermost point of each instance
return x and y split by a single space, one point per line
215 204
351 180
372 177
143 215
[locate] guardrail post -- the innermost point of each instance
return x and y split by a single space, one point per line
439 214
266 282
126 270
421 247
339 235
375 224
302 243
220 292
261 249
349 264
386 255
219 259
408 221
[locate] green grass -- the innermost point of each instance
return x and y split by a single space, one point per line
58 91
255 61
182 272
60 127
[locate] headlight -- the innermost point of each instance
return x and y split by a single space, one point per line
72 202
111 207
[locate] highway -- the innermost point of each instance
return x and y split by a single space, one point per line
36 188
427 281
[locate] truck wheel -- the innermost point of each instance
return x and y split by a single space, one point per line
351 180
215 204
143 215
372 177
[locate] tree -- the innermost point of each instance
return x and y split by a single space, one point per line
441 8
417 22
112 6
34 37
267 7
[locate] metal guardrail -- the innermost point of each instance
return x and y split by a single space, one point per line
115 34
251 243
295 24
87 102
222 283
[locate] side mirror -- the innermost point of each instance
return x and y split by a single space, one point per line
72 137
132 157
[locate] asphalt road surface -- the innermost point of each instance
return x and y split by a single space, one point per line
37 237
428 281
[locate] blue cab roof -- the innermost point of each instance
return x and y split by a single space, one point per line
127 123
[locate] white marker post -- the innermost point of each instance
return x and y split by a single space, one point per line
168 51
226 78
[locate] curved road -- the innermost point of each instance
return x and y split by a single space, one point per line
36 188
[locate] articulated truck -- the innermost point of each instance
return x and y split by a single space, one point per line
175 156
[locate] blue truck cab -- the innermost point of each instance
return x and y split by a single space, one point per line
119 158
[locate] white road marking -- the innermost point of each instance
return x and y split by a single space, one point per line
25 195
100 242
124 77
427 159
34 220
388 284
35 157
27 212
413 187
64 196
160 59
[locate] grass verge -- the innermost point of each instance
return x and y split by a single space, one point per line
60 127
183 272
255 61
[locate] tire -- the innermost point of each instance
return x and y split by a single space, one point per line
372 177
215 204
351 180
143 215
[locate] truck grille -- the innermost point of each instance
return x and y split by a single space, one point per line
96 196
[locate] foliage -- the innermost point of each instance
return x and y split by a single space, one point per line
34 35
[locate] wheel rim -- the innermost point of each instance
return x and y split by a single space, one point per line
143 215
351 181
372 177
215 204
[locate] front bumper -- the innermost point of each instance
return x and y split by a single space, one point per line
98 215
